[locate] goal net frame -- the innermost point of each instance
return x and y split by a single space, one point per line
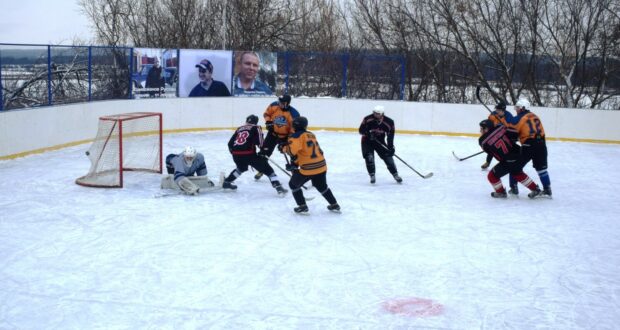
115 135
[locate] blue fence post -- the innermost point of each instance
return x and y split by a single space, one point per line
345 62
177 94
90 73
402 77
131 71
1 95
49 75
286 71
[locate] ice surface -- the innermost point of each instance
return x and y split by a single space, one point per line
73 257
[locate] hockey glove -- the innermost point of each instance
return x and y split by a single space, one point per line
391 151
291 167
283 146
269 126
263 153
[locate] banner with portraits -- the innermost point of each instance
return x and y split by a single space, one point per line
254 73
155 72
205 73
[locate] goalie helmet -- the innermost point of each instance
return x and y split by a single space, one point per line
189 153
252 119
523 103
379 109
300 123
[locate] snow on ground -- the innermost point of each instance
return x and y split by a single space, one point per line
438 253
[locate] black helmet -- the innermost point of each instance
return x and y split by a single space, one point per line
300 123
252 119
285 99
501 106
486 124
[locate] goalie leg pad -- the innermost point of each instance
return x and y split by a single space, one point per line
188 186
167 182
201 181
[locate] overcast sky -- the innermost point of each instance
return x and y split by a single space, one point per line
42 22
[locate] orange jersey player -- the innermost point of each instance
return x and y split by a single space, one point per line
533 144
279 118
308 164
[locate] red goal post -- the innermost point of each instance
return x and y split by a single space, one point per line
124 142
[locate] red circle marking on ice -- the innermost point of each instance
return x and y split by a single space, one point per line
415 307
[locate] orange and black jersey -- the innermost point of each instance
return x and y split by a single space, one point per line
529 126
499 142
379 128
245 140
282 119
500 120
306 153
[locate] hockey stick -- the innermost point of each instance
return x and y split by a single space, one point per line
468 157
424 176
480 100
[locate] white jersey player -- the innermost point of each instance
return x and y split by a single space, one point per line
182 166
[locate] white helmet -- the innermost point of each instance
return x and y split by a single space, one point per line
189 153
523 103
378 109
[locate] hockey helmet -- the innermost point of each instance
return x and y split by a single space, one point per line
486 124
252 119
501 106
300 123
523 103
189 153
285 99
378 109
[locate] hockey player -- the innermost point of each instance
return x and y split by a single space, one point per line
307 164
533 144
242 145
375 128
498 117
501 117
278 120
181 167
498 141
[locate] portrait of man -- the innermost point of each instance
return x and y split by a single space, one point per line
205 72
247 81
207 85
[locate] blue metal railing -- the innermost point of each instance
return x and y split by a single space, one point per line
41 75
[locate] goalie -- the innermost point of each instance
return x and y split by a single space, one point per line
181 170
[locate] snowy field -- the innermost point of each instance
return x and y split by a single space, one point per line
438 253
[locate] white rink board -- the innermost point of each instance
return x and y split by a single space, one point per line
31 130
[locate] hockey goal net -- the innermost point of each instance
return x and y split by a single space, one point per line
124 142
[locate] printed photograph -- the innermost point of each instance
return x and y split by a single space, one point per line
155 72
205 73
255 73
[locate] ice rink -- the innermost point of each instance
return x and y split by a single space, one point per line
438 253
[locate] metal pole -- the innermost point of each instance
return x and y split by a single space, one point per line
90 73
286 71
49 75
345 62
402 77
